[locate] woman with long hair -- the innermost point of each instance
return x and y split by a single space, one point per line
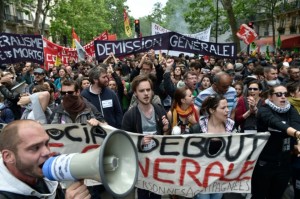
63 75
205 82
247 106
183 112
214 119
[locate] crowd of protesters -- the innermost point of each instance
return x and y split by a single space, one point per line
200 94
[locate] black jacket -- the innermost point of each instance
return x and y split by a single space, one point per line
11 99
279 144
132 119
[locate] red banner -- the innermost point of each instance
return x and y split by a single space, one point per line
67 55
246 34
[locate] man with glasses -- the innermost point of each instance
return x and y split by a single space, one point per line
86 69
222 86
39 78
76 109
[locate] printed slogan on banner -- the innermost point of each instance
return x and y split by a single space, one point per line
165 41
17 48
181 165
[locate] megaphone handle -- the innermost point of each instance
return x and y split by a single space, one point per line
66 184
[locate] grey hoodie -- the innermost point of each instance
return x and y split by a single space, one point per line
10 183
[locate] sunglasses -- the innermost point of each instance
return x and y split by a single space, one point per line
63 93
252 89
279 94
38 73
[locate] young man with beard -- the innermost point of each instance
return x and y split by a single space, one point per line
103 98
147 119
24 146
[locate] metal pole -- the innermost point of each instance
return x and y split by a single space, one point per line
217 21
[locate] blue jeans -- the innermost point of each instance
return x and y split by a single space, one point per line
208 196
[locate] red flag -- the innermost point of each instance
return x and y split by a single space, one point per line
74 35
112 37
246 34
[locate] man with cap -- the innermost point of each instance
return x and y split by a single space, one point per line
39 78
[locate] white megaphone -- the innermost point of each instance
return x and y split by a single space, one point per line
114 163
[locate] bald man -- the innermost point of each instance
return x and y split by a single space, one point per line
221 85
24 147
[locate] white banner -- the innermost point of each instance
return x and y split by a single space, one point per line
203 35
180 165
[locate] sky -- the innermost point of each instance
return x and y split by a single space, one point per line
141 8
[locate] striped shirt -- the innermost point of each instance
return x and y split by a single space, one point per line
230 96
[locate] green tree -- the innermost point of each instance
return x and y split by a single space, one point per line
89 18
230 14
175 11
157 16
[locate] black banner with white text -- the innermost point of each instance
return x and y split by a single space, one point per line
165 41
17 48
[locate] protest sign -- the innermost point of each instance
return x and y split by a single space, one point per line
246 34
203 35
180 165
17 48
165 41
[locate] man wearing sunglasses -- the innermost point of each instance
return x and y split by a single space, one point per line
76 109
39 78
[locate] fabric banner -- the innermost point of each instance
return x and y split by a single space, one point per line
180 165
66 55
17 48
165 41
203 35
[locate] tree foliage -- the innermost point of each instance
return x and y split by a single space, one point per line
89 18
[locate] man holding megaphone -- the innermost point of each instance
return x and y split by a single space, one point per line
24 149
